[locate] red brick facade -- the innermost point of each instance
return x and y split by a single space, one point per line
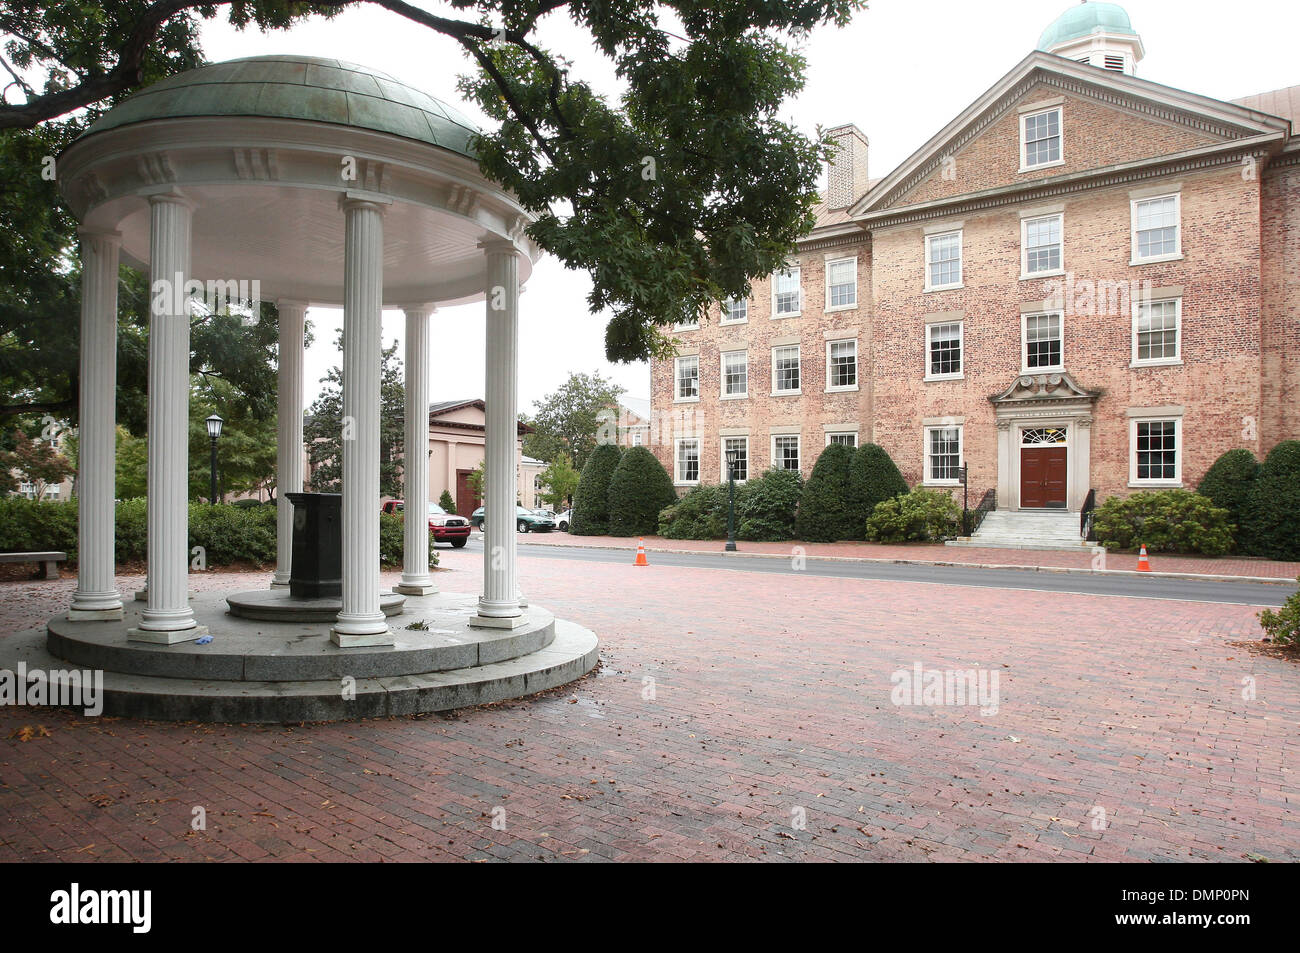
1233 286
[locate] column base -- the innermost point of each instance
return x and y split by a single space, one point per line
279 585
173 637
416 589
142 595
497 622
96 615
347 640
523 601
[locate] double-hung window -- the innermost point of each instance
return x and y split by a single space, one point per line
1157 229
943 455
943 345
785 293
1042 336
841 365
688 460
943 261
735 374
1156 451
785 370
841 284
785 452
1041 245
1040 139
736 448
735 311
686 372
1157 331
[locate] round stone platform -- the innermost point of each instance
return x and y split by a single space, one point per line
277 605
260 671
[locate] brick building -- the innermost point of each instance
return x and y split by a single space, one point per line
1085 281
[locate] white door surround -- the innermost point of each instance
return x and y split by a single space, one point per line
1044 401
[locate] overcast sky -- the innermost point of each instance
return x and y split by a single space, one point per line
900 71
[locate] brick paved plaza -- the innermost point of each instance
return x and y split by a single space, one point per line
771 703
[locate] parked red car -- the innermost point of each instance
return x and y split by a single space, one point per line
446 527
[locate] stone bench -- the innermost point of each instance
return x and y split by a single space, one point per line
49 562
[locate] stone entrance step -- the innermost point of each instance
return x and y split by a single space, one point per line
1037 530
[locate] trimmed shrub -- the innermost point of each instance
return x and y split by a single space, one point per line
700 514
1283 626
230 533
1272 517
825 513
446 502
765 511
131 531
919 516
1227 484
591 499
873 478
638 490
31 525
392 541
1170 521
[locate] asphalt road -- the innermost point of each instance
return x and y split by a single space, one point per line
1091 584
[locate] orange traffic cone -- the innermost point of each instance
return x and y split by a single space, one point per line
640 553
1144 564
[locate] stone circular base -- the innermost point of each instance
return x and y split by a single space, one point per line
276 672
277 605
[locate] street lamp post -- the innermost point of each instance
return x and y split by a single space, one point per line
731 501
214 431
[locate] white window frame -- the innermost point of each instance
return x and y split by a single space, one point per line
797 272
853 261
961 260
677 461
1024 141
722 460
776 392
722 374
1178 229
842 433
687 325
798 449
1024 246
677 379
926 480
857 368
1178 333
1024 342
1133 480
724 317
961 343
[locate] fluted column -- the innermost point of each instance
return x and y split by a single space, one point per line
167 616
293 316
361 621
498 607
416 580
96 596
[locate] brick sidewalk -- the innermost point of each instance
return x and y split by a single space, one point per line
938 553
771 700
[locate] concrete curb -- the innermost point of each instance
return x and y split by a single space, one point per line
1207 577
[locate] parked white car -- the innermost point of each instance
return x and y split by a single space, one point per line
562 520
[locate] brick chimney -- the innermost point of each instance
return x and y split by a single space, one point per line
847 173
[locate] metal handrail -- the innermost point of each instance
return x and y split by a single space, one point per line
975 518
1085 516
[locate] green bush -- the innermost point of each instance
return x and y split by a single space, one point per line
1283 626
765 509
391 539
700 514
1170 521
230 534
31 525
1272 518
638 490
873 478
1227 484
825 514
919 516
446 502
591 499
131 531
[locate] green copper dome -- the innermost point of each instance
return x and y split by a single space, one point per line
299 87
1084 19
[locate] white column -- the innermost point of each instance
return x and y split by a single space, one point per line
167 616
499 605
97 596
293 316
361 621
416 580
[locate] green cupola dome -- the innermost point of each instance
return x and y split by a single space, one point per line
1084 20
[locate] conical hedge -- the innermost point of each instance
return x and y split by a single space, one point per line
824 514
638 490
873 478
1228 483
1272 518
591 498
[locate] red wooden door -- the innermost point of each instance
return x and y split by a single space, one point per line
466 501
1043 477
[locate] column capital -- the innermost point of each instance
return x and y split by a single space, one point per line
499 246
169 195
416 307
374 201
295 303
112 236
